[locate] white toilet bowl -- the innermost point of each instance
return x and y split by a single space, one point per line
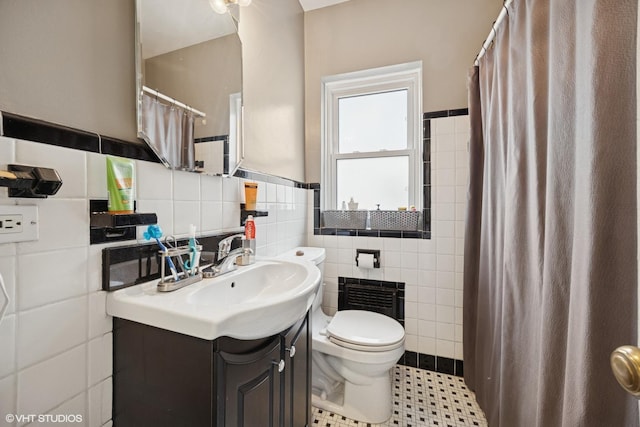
353 353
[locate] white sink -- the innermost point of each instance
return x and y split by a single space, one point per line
252 302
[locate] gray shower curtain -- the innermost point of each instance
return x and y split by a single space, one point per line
168 129
550 277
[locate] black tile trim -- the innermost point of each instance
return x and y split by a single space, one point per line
429 362
138 150
445 113
29 129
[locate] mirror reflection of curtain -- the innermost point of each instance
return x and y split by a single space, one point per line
169 131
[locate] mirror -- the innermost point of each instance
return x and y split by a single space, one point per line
189 84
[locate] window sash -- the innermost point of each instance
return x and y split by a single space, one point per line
404 76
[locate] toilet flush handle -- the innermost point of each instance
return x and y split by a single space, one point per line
291 350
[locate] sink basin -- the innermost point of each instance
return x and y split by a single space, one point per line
252 302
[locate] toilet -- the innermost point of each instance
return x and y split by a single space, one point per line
353 353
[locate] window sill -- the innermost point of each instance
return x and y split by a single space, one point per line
398 234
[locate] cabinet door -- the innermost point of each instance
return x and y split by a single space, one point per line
297 375
248 386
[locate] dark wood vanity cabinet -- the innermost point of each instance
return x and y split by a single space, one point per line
163 378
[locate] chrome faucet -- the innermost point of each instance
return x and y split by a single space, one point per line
226 260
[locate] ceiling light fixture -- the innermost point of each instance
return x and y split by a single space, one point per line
222 6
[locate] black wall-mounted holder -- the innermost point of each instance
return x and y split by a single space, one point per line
244 213
374 252
30 181
106 227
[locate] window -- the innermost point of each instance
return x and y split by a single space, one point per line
372 138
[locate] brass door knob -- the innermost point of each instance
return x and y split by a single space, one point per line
625 364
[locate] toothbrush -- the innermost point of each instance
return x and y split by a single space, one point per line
154 232
193 261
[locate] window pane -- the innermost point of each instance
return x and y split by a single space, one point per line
373 122
372 181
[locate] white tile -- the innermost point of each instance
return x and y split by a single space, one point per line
427 328
211 216
446 245
445 331
48 384
153 182
99 321
185 213
7 151
391 244
64 223
164 211
427 345
409 276
411 326
8 272
427 278
211 188
427 261
411 342
445 160
445 348
462 124
443 228
444 125
47 277
426 295
409 245
272 193
8 340
97 176
411 310
391 259
94 267
445 194
393 274
445 262
445 279
445 297
459 351
70 165
46 331
71 412
231 190
100 358
230 215
426 311
445 314
186 186
7 396
100 397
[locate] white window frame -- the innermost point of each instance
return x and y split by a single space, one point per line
384 79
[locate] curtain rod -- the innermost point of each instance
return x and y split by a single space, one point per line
173 101
492 34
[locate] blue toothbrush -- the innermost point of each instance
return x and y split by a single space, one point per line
154 232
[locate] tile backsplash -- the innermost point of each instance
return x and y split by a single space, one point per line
432 269
56 336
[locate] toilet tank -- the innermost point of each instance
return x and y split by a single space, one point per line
316 256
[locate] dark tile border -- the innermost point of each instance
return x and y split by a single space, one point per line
429 362
29 129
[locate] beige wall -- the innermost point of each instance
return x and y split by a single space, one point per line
272 34
361 34
70 62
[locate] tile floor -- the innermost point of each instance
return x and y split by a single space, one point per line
420 398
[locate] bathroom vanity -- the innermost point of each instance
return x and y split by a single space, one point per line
165 378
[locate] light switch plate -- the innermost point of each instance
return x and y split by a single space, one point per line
18 223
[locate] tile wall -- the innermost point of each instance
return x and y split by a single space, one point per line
55 340
430 268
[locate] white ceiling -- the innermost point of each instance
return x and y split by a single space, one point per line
308 5
165 27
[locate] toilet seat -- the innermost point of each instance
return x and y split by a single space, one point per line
365 331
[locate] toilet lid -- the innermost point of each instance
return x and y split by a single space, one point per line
365 330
